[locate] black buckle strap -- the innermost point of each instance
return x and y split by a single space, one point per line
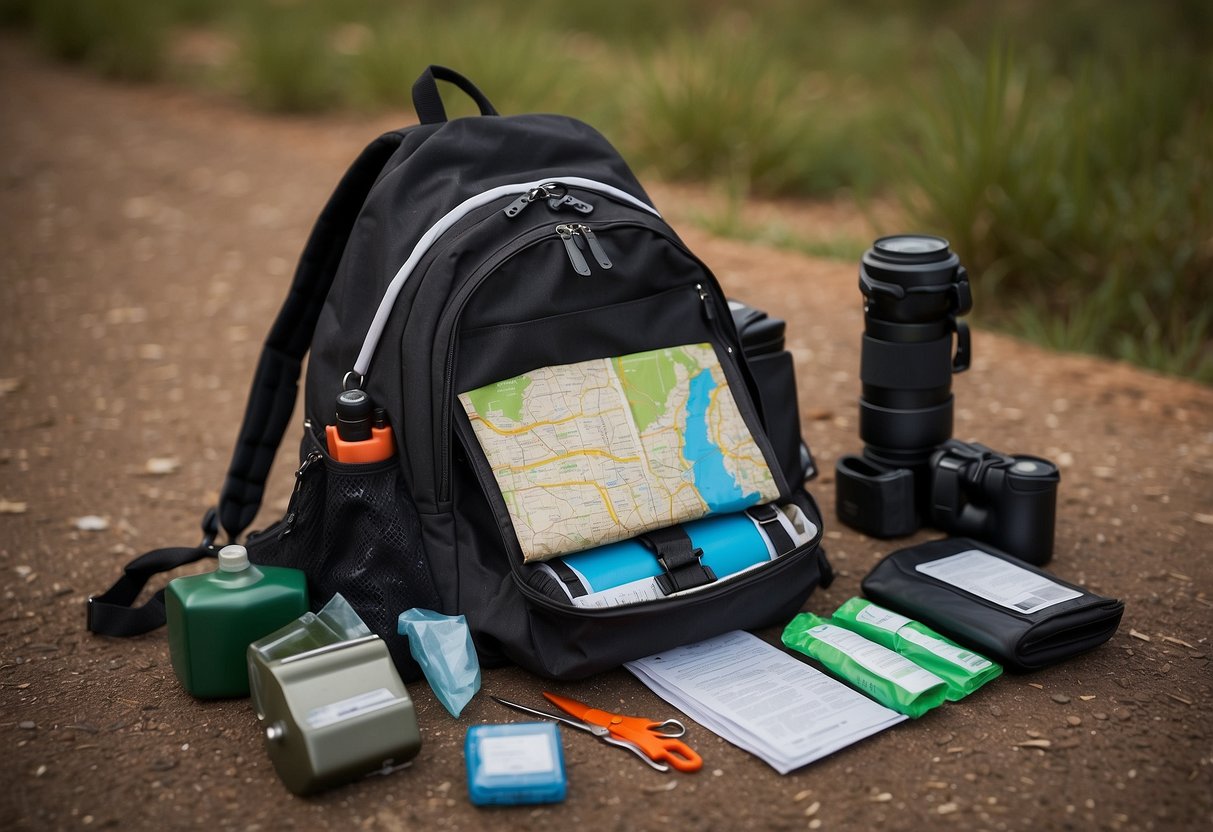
568 577
112 612
767 516
679 558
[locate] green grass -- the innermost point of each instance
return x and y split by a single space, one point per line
727 220
1083 209
1062 148
122 39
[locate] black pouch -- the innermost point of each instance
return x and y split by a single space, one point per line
762 340
1009 610
353 529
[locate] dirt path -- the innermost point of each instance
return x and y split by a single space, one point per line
148 236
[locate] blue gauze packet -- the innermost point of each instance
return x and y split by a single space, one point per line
442 645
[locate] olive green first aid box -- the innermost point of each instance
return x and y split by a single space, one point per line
333 709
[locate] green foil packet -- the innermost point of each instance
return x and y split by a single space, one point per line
963 670
892 680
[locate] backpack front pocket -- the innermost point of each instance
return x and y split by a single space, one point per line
600 451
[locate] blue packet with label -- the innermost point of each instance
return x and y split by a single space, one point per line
442 645
516 764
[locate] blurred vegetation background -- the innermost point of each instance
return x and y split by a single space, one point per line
1065 148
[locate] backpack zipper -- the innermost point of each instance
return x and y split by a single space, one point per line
431 236
595 247
566 234
513 249
569 234
557 196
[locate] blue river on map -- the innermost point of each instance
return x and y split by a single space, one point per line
717 487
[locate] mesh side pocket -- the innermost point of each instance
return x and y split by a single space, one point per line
355 531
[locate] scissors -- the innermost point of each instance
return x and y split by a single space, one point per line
651 741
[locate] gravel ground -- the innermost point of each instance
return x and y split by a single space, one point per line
148 236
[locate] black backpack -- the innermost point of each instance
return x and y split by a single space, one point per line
453 254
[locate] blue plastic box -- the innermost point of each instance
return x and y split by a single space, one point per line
514 765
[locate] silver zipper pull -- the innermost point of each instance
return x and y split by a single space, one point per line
515 208
595 247
545 191
570 201
566 233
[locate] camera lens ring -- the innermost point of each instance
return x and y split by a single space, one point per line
911 249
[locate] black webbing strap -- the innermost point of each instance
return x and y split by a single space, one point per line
767 516
427 101
276 381
568 577
270 403
679 559
111 613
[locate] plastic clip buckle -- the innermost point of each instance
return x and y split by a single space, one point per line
680 560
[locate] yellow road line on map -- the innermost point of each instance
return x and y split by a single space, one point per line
717 428
549 461
678 490
529 427
606 501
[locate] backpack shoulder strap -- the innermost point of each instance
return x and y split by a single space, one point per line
270 404
276 381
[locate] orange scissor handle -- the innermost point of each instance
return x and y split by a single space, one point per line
644 733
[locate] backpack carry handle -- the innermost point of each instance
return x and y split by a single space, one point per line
428 102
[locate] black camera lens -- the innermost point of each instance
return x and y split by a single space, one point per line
914 288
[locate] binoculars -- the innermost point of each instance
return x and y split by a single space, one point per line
911 470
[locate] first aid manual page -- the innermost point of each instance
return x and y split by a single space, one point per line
763 700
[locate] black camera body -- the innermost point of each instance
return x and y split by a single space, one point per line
911 470
1008 501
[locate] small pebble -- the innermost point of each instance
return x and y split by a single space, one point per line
1100 715
91 523
1060 698
812 808
947 808
27 725
1074 721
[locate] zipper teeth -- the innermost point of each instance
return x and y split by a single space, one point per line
448 220
445 459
